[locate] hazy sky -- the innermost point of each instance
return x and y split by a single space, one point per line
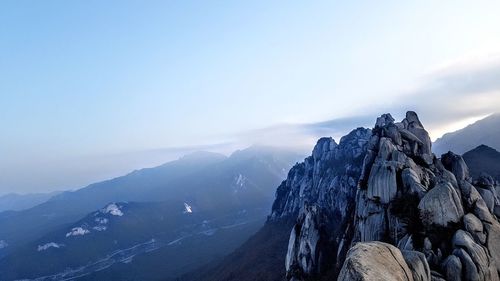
85 86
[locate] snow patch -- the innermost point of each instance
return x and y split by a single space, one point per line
112 209
187 208
240 180
3 244
101 220
240 183
100 228
76 231
49 245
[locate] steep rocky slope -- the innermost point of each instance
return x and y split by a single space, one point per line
321 191
412 216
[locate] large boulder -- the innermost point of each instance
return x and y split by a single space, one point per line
493 243
488 197
456 164
475 227
375 261
478 254
441 205
411 182
416 128
474 202
452 268
418 265
469 269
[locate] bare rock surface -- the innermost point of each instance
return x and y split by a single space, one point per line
375 261
381 188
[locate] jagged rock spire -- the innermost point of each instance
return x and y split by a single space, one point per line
405 196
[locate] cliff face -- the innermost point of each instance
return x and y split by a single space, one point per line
320 192
382 192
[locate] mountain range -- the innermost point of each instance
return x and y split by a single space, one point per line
182 210
380 204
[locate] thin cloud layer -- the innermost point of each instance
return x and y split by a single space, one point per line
446 99
464 90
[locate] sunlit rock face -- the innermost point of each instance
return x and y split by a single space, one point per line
375 261
438 221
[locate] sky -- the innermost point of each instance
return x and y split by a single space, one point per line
93 89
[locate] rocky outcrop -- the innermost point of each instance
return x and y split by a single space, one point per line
320 192
328 177
418 265
489 189
444 221
398 162
375 261
441 206
308 245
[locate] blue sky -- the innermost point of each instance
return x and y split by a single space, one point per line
83 80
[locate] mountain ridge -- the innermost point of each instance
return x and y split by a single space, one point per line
19 202
485 131
175 179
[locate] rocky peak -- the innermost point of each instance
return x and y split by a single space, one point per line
455 164
441 225
328 171
320 193
322 147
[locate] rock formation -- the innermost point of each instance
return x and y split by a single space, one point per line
375 261
403 213
321 192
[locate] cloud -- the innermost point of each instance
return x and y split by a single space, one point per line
78 171
301 137
463 90
447 98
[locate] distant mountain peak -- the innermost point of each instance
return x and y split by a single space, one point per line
485 148
203 155
483 132
483 159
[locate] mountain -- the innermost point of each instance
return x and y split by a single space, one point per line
485 131
261 257
483 159
131 241
18 227
17 202
380 206
209 183
328 176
